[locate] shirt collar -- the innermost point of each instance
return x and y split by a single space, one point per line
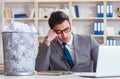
71 40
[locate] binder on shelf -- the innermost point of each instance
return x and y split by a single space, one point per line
111 42
108 42
109 10
100 10
76 11
101 28
114 43
95 27
98 28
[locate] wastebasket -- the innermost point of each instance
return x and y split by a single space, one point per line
19 53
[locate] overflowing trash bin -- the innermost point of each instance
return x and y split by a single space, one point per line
19 52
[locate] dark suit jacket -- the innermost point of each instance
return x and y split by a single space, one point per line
86 50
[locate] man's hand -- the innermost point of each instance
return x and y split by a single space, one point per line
51 35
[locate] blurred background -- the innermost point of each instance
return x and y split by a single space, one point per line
1 54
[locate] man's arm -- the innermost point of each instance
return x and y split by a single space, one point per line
42 59
94 52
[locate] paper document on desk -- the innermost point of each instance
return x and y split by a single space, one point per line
54 73
85 74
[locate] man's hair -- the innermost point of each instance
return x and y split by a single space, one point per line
57 18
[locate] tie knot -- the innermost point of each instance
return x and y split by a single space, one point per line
64 44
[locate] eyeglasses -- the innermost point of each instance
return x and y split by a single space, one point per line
66 30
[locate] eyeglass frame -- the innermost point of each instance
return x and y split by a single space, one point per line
66 30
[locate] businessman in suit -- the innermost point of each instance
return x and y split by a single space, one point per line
82 50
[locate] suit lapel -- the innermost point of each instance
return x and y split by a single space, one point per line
76 49
59 49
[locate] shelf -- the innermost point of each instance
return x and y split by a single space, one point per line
81 25
53 1
87 0
113 18
43 19
89 18
19 19
41 36
112 0
18 1
98 35
113 35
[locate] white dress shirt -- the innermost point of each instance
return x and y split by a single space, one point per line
70 47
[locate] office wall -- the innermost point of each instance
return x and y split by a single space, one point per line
1 48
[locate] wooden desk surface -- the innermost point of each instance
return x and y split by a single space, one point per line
38 76
2 76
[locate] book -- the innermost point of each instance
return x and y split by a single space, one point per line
7 13
76 11
20 15
32 13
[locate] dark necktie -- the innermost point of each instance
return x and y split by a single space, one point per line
67 56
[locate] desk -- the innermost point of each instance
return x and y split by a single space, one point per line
51 77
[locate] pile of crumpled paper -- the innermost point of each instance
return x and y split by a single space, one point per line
19 43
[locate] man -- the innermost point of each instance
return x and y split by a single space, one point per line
81 50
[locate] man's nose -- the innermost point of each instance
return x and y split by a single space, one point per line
64 34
